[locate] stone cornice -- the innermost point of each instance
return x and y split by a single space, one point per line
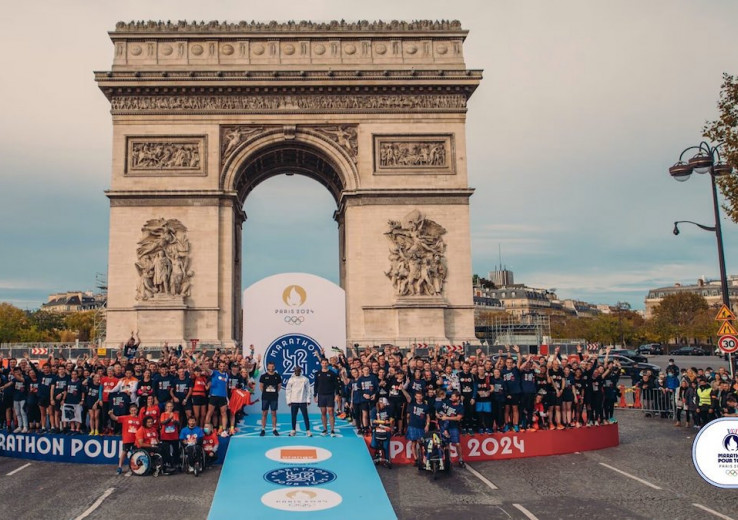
302 27
400 197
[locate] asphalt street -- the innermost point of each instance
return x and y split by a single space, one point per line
649 476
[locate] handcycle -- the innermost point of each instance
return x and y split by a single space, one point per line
381 434
435 455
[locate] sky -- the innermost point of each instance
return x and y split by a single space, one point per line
583 107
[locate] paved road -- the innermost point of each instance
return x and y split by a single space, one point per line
586 485
689 361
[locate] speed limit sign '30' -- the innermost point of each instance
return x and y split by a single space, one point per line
728 344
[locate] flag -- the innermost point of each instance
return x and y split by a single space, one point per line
239 399
71 413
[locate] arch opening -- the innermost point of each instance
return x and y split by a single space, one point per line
294 158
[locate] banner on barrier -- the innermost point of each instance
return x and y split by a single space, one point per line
519 445
79 449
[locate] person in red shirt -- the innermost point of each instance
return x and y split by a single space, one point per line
150 410
210 444
130 424
200 387
147 436
169 424
108 382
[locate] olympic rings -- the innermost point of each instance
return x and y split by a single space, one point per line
295 320
731 472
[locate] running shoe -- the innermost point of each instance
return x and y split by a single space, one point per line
276 433
505 429
333 434
292 433
262 433
516 428
309 433
118 471
17 430
324 433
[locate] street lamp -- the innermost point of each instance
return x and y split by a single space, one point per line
706 160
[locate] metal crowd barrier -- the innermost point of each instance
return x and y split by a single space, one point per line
657 402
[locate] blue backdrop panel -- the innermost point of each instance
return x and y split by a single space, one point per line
307 477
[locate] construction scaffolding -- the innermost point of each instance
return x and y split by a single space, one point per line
100 322
531 329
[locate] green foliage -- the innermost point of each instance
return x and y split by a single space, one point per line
20 326
12 321
82 323
725 130
681 316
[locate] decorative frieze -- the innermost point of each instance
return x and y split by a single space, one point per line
323 103
183 26
403 154
166 155
345 136
233 136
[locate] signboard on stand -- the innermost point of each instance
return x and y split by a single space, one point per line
290 319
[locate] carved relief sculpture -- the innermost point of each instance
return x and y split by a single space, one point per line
414 154
231 137
417 256
163 260
345 136
165 155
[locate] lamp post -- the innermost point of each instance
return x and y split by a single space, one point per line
707 160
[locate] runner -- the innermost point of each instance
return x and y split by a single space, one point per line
326 387
269 385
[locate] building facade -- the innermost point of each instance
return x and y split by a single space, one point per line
709 289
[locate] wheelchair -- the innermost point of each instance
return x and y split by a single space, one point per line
380 435
198 464
144 462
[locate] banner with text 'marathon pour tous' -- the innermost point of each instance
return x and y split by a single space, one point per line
289 317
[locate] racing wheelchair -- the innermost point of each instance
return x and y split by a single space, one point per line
144 462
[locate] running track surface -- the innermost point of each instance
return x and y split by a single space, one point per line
297 480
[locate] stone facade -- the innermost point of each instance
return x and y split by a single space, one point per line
204 113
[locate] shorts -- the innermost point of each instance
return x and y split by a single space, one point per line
483 406
326 400
199 400
269 404
567 397
397 410
89 402
453 435
187 405
414 434
513 400
366 406
127 446
44 402
218 400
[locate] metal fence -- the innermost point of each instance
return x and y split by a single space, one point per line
655 402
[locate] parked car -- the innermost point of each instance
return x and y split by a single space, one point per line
632 354
631 368
652 349
688 351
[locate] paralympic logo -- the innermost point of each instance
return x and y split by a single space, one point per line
294 350
295 320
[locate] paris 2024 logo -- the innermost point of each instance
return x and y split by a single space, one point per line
294 350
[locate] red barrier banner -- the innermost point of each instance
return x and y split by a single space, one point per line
499 446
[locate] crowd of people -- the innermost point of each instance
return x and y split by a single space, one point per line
691 396
187 397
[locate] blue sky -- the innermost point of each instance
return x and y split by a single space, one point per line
584 106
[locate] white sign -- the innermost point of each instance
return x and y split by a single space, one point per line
728 343
715 452
301 499
289 318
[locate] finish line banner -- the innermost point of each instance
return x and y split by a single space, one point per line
289 317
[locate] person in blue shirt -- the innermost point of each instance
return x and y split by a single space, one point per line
499 396
191 438
380 418
46 381
163 383
418 422
450 418
368 386
511 376
218 395
468 390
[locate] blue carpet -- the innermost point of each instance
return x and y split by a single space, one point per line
307 477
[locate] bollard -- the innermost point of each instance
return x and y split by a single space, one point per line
622 403
637 403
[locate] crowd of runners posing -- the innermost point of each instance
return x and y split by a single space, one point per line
409 393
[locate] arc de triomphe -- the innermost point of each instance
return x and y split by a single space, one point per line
204 112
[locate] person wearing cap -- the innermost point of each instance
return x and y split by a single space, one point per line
298 393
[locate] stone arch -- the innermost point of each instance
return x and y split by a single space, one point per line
304 151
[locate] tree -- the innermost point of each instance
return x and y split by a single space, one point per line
679 316
725 130
12 321
82 323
